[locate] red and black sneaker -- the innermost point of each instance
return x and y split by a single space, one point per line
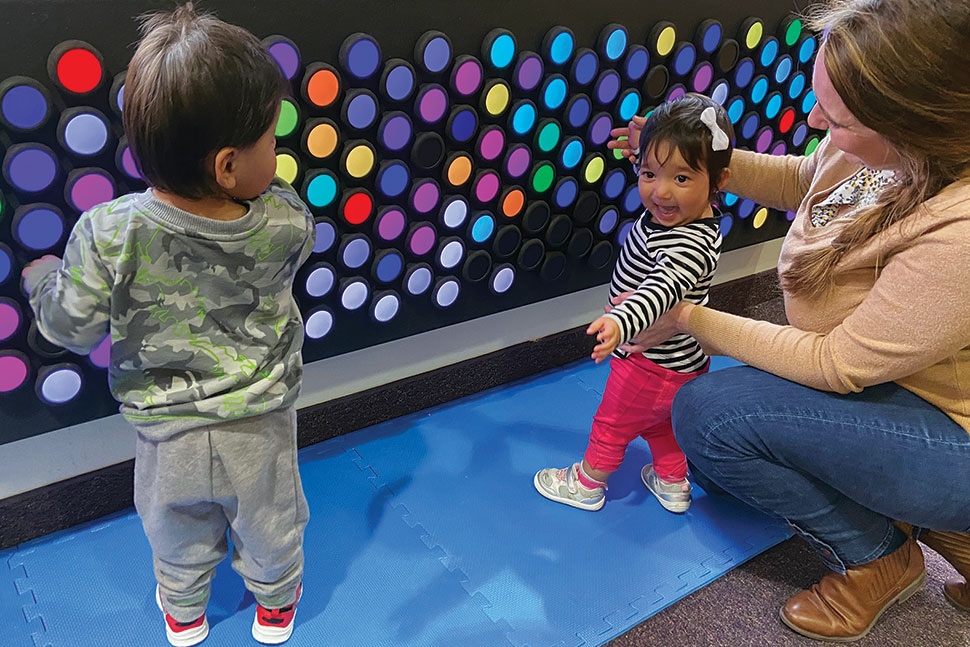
275 626
182 634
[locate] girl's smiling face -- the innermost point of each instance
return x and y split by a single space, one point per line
674 193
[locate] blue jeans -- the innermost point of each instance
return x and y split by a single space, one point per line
837 468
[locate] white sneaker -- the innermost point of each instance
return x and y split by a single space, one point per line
563 485
673 496
275 626
182 634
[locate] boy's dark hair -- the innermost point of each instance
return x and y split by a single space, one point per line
195 85
679 124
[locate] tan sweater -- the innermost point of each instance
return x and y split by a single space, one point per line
908 322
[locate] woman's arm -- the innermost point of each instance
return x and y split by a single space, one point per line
776 181
916 315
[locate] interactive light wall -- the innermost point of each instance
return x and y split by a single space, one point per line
446 186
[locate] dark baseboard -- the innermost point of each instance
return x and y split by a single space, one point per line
89 496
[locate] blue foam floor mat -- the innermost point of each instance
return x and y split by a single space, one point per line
427 531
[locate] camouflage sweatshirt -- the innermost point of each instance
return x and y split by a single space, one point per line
203 323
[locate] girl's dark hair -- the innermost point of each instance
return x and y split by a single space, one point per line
679 124
195 85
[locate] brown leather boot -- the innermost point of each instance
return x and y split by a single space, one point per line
843 608
955 548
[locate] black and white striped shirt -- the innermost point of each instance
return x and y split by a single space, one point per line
664 265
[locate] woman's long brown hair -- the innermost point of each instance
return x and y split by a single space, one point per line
902 68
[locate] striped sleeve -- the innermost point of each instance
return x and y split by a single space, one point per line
662 267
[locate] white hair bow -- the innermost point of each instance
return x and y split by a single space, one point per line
719 139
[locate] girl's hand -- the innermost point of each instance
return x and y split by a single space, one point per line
628 146
607 334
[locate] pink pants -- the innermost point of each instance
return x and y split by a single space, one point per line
636 402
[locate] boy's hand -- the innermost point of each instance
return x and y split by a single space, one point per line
628 146
607 334
29 266
36 261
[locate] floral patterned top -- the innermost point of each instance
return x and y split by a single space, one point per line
861 189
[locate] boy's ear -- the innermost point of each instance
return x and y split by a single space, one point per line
224 167
723 180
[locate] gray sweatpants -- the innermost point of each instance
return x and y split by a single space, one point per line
239 476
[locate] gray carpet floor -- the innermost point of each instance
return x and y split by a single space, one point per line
741 608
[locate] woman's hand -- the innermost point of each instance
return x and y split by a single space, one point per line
627 147
617 300
670 323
